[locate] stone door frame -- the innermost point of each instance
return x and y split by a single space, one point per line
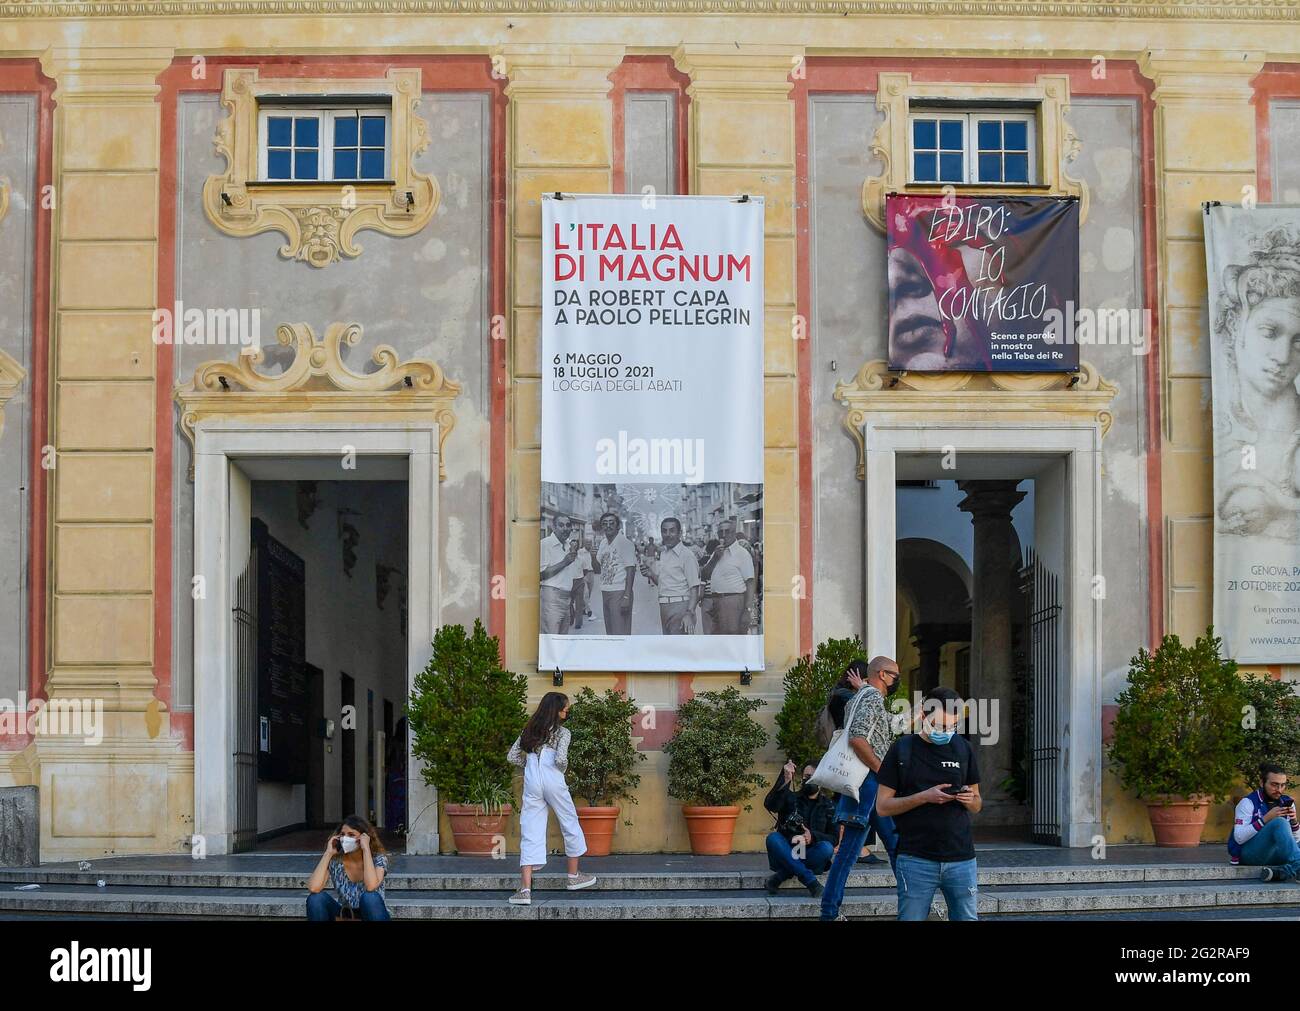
220 442
1078 444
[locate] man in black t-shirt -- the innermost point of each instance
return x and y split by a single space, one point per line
929 785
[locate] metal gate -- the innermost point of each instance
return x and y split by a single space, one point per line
1042 590
244 618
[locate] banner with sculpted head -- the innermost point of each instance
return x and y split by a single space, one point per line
651 555
1253 260
983 284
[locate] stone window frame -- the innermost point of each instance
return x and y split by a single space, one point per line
970 151
1058 144
319 219
326 116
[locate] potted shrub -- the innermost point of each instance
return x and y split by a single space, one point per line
601 762
1271 728
808 685
465 711
710 759
1178 738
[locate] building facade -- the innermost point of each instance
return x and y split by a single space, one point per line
187 156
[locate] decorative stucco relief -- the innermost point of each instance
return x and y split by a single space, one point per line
318 383
1180 10
1057 142
319 220
1083 398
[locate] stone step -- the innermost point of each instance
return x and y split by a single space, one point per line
619 880
1052 901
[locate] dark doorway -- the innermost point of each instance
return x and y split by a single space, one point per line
316 752
348 745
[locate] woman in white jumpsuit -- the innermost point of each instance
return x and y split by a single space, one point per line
542 751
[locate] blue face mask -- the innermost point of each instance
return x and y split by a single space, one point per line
938 736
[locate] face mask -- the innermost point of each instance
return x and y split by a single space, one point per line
892 688
937 735
348 843
809 789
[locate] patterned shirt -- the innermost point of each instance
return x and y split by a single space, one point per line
615 558
870 720
349 891
558 741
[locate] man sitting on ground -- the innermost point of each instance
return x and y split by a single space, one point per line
1265 830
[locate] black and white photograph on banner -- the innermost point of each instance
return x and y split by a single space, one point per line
1253 258
652 559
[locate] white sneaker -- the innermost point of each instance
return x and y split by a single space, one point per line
523 897
577 881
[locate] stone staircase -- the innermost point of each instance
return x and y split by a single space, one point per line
1134 882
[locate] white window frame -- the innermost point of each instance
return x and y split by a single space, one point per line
325 116
970 143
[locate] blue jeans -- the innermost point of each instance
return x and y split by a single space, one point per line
856 816
1273 846
918 879
323 906
781 858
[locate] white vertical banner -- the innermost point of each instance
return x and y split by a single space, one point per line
1253 261
652 433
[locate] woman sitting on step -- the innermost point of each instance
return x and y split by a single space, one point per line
355 864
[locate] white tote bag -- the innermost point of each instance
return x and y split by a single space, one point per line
841 770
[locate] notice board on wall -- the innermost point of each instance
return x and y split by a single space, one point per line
281 631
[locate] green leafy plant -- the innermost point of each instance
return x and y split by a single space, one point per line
488 793
808 685
711 754
465 711
601 754
1178 730
1270 728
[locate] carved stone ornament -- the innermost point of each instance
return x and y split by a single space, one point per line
964 397
1058 144
1184 11
319 385
11 377
319 220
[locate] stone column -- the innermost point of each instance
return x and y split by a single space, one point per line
122 793
1204 150
990 504
930 637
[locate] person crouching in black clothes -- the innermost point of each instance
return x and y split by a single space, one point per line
803 842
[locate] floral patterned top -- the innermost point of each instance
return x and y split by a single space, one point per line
349 891
559 741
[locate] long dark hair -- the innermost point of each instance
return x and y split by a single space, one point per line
355 821
858 667
542 723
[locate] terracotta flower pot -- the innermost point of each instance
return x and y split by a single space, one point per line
711 828
1178 821
598 826
474 832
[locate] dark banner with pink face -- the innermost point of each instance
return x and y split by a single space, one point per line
983 284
